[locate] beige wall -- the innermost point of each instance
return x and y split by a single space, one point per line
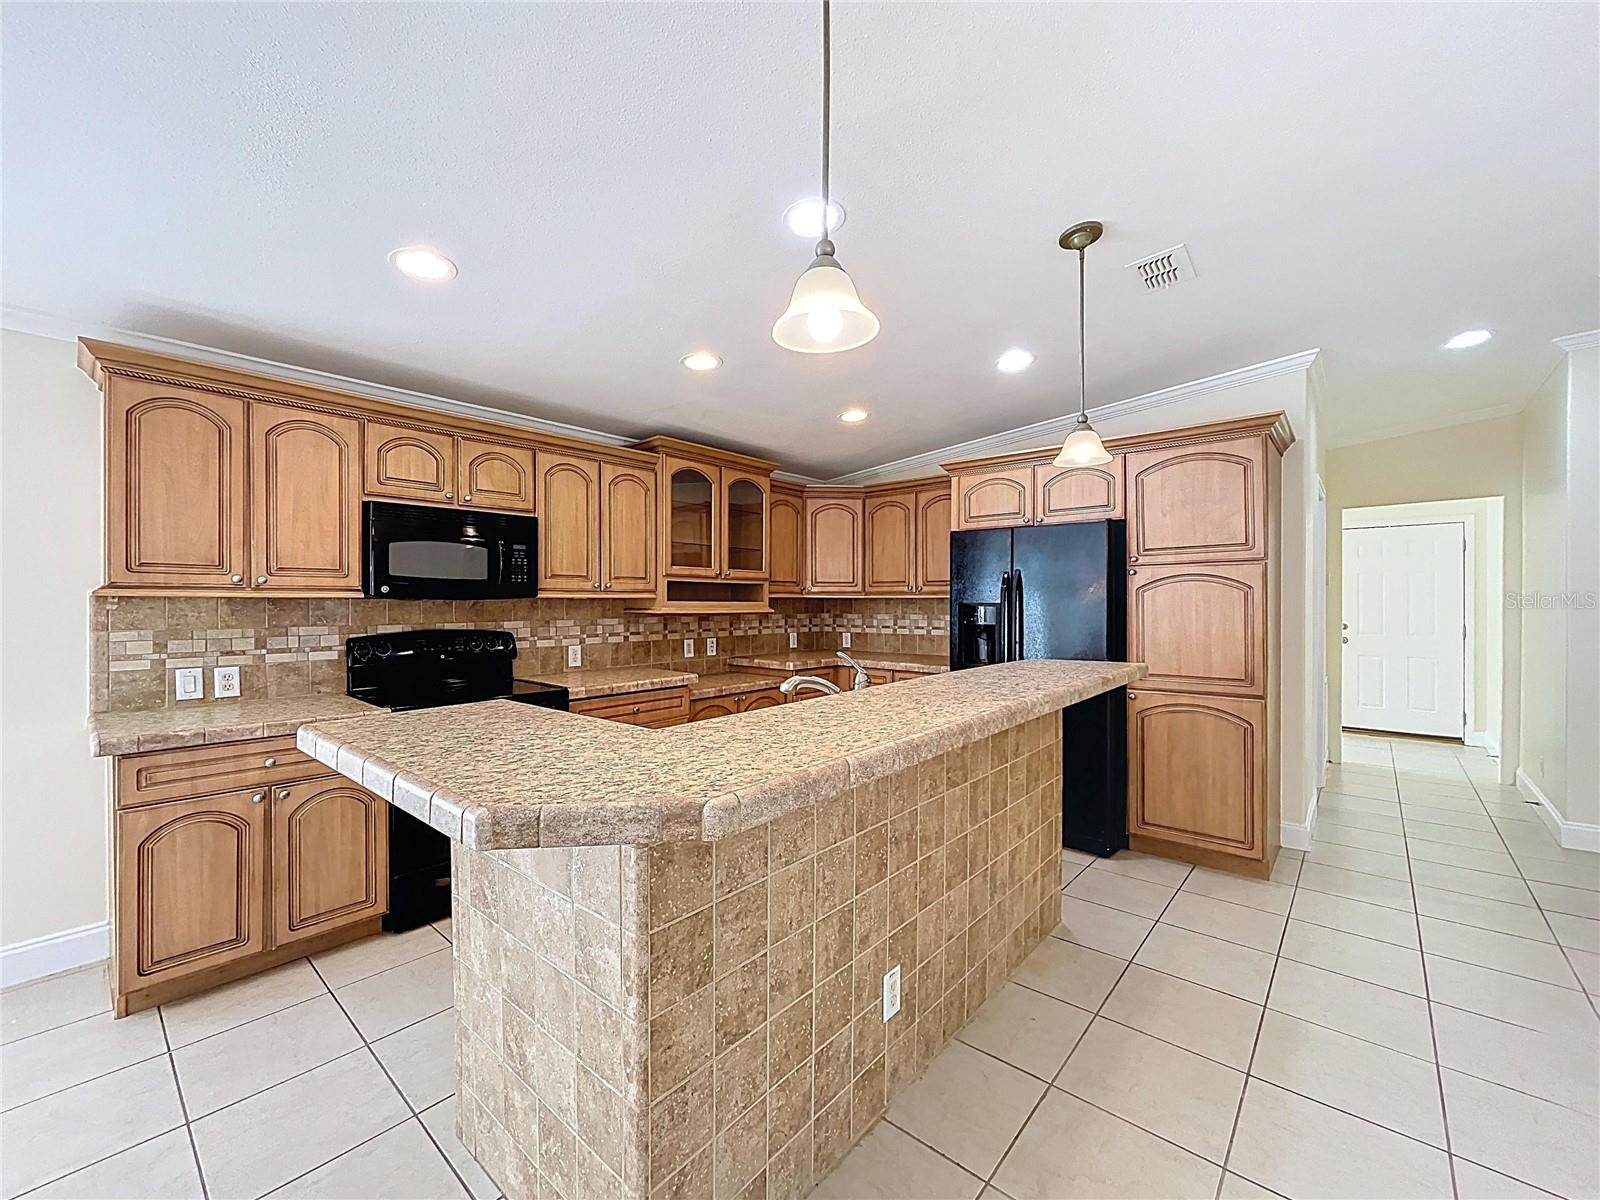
53 813
1463 462
1583 578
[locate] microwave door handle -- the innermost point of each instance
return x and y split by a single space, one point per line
1003 620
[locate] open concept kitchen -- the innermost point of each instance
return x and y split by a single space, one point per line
807 764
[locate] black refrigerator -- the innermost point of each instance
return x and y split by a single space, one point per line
1055 591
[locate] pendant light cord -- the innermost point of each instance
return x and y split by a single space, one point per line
827 121
1083 389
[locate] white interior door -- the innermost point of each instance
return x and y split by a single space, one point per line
1405 629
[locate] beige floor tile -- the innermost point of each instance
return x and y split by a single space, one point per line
968 1106
1356 916
1578 875
1431 822
1253 927
1252 893
1356 796
1534 842
49 1003
1512 998
1159 1087
1352 858
1522 1136
1364 1010
232 1004
71 1054
1579 902
346 964
1237 1187
163 1167
1108 930
1472 883
1073 1151
401 1164
1368 1081
1121 891
400 996
1517 919
1164 871
1285 870
1072 973
1433 807
1500 951
1078 858
1031 1031
1336 833
1071 870
891 1165
69 1130
314 1117
421 1059
1188 1015
250 1058
1227 967
1383 963
440 1121
1479 1183
445 929
1355 885
1496 862
1580 933
1587 968
1302 1148
1556 1067
1331 812
1453 835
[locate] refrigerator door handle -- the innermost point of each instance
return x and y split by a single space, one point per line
1003 633
1016 615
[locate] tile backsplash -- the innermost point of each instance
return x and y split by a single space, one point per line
296 647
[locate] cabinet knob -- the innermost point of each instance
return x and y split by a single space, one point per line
597 584
1132 571
1133 695
283 793
237 578
608 584
635 708
1133 558
269 762
467 499
260 579
258 798
449 496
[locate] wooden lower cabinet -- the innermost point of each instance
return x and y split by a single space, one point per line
712 707
655 709
1197 771
330 857
765 698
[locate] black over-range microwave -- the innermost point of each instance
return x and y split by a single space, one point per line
414 552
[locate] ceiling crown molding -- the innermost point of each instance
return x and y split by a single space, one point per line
1579 341
1054 430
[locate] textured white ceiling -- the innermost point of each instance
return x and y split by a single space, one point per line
1369 179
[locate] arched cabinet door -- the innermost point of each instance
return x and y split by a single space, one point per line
693 534
1197 770
933 541
1200 503
330 858
1064 494
494 475
569 524
767 698
1200 628
744 524
175 487
190 891
889 544
994 499
833 544
629 533
708 710
305 499
417 465
787 558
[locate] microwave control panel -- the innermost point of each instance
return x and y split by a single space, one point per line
516 563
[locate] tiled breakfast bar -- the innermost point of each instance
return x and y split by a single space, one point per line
670 945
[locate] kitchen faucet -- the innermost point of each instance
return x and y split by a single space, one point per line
794 683
861 679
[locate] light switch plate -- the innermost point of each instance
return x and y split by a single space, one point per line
225 682
847 639
891 992
711 647
189 683
688 647
794 639
575 656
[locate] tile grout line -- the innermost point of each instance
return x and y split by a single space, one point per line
183 1107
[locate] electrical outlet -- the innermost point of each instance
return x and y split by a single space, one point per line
891 992
188 683
794 639
225 682
574 656
847 639
688 647
711 647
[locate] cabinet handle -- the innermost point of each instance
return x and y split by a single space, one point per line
269 762
237 578
467 499
635 708
608 584
258 798
260 580
1133 558
1133 695
283 793
449 496
1132 571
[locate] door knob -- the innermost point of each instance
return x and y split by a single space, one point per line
1344 641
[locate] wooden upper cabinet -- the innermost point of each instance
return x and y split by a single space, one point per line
628 533
993 499
418 465
569 523
744 525
305 499
175 487
1199 503
494 475
933 539
190 886
833 543
890 543
330 860
693 549
786 533
1063 494
1200 628
1197 770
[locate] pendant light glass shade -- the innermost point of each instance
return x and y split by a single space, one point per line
1083 447
824 315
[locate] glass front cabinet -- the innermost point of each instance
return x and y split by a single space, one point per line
717 527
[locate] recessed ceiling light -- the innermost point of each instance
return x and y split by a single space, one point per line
423 263
1014 361
701 360
1467 339
804 217
853 416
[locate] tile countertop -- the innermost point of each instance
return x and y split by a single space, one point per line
503 776
586 683
731 683
201 722
811 660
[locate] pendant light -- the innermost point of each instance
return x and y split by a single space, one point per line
825 315
1083 447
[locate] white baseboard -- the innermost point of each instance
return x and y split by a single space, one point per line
1298 837
1482 737
1572 835
54 953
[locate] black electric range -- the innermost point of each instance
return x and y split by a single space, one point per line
432 668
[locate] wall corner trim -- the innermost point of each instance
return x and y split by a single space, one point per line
1572 835
22 962
1574 342
1298 837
